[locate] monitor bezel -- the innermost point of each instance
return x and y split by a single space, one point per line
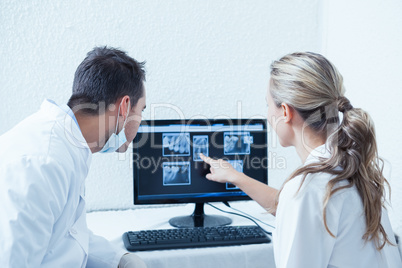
203 121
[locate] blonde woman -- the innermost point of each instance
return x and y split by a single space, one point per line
330 212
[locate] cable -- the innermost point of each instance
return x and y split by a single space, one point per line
237 214
242 212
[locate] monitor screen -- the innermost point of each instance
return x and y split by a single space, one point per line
168 169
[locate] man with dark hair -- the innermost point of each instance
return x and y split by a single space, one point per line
45 159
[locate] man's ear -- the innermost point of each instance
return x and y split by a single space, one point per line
287 112
125 106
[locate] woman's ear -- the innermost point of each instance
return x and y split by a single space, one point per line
287 112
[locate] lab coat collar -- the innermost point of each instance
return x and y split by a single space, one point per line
321 151
64 116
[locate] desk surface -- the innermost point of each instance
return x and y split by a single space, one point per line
112 224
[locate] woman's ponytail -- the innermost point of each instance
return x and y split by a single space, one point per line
344 104
355 151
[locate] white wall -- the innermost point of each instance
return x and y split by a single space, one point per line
208 58
364 40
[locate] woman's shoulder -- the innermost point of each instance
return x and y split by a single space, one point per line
310 182
316 185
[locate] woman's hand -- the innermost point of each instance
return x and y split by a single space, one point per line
221 170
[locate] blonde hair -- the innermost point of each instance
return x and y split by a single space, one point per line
311 85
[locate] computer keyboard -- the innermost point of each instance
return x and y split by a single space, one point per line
194 237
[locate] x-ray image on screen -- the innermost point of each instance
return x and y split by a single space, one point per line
165 162
176 173
238 165
236 143
177 144
200 145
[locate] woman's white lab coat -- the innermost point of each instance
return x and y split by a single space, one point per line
44 161
301 240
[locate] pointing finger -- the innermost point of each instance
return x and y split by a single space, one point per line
206 159
209 176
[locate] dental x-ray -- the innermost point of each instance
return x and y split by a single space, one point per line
236 143
177 144
176 173
200 145
237 165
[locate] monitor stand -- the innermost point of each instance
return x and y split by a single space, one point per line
199 219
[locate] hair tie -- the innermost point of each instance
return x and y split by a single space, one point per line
344 104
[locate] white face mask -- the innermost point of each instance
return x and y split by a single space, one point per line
116 141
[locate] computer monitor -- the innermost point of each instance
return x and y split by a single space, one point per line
167 168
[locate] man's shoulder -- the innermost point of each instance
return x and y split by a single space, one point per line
38 135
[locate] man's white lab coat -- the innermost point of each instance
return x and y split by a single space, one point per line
44 161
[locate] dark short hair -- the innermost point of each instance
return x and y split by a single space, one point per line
106 75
